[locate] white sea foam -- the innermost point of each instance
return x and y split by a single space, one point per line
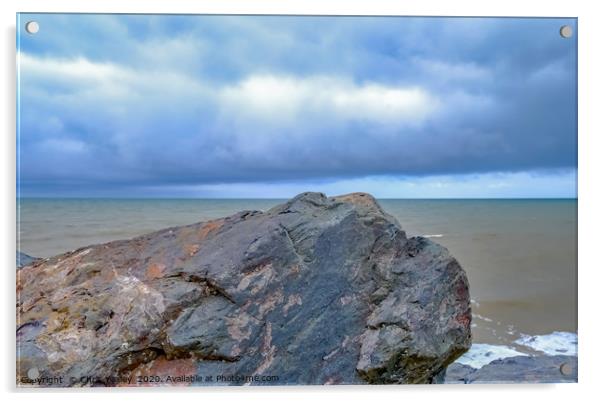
480 355
556 343
481 317
433 235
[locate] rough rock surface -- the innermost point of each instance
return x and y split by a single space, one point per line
315 291
24 259
517 369
458 373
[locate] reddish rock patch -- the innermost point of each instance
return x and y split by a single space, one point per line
155 270
164 369
208 227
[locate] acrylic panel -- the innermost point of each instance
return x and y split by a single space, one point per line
295 200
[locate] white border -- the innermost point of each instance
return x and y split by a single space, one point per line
590 129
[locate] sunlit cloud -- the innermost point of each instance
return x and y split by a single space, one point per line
275 98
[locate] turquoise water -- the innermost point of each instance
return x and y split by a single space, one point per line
520 255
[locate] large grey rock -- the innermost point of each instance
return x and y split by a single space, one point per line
315 291
517 369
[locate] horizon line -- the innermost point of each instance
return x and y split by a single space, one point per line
280 198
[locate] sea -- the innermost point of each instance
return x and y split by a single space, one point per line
520 255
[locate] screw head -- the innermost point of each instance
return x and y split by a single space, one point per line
32 27
566 369
33 373
566 31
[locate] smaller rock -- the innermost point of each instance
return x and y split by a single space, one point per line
528 369
517 369
24 259
458 373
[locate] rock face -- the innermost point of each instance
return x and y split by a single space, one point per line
517 369
314 291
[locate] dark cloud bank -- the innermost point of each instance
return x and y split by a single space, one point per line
113 103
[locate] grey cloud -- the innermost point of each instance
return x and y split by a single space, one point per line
505 90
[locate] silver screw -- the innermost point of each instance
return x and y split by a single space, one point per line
32 27
566 369
33 373
566 31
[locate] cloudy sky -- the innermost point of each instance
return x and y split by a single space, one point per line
208 106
